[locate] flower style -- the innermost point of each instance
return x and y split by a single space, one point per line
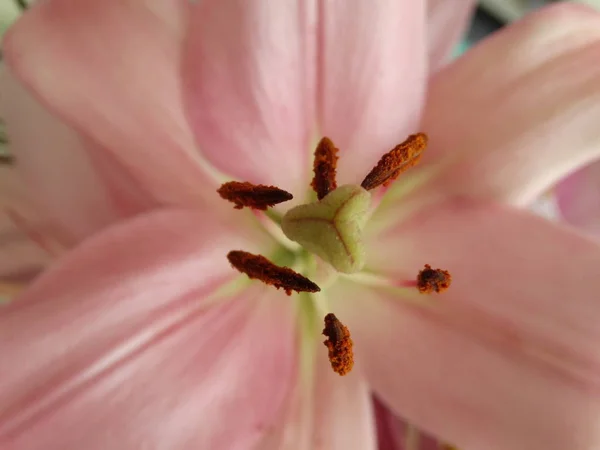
142 335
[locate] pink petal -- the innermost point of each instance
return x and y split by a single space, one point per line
371 78
519 111
110 70
447 22
124 343
579 199
508 357
393 433
26 243
546 206
53 163
21 258
249 69
326 411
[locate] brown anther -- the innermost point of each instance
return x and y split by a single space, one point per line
396 161
324 167
339 345
257 196
430 280
260 268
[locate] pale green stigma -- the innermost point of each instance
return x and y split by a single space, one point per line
331 228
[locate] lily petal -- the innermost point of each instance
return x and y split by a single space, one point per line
326 412
393 433
124 343
546 206
447 22
578 198
371 78
508 356
52 161
22 254
249 79
111 70
519 111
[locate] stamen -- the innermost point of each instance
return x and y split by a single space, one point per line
339 345
430 280
257 196
396 161
260 268
324 167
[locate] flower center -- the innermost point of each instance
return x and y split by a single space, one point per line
330 228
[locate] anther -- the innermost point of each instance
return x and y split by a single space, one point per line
339 345
396 161
257 196
260 268
324 167
430 280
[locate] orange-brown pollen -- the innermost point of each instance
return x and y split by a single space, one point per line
260 268
396 161
339 345
324 167
430 280
257 196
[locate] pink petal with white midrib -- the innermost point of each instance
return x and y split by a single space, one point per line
118 338
507 357
249 88
520 110
325 411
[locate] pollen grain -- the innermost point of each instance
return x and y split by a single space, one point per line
396 161
324 166
430 280
257 196
339 344
260 268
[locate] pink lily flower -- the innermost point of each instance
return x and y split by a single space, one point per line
141 335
